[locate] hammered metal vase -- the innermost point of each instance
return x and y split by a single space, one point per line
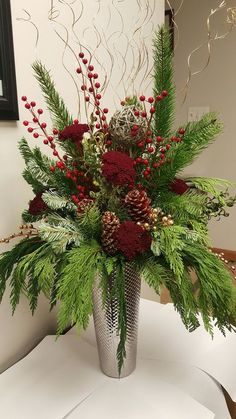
106 324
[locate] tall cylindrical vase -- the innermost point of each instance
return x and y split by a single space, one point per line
106 324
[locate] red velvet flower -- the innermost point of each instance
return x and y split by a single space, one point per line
179 186
132 239
118 168
37 205
74 133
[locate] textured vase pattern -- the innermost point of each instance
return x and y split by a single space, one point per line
106 324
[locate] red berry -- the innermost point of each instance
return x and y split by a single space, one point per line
135 128
91 89
43 125
55 153
76 121
142 98
168 146
95 76
150 149
91 67
55 131
65 157
35 120
181 131
97 102
122 103
155 165
30 129
163 150
139 186
148 169
146 162
27 106
149 133
86 98
52 145
98 126
90 75
140 144
83 87
98 96
159 98
79 70
25 123
149 141
108 142
144 114
97 85
50 139
105 110
81 55
136 113
151 99
52 168
40 111
105 126
97 112
146 173
152 110
139 160
162 156
35 135
164 93
173 139
103 118
33 104
45 141
24 98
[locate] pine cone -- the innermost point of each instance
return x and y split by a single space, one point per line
110 224
84 204
138 205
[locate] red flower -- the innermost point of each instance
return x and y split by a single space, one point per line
118 168
132 239
179 186
74 133
37 205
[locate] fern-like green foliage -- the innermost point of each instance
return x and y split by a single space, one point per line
217 296
89 223
163 80
9 259
183 208
60 115
57 202
75 284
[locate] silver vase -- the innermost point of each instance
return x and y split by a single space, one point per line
106 324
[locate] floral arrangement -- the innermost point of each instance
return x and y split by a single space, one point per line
112 195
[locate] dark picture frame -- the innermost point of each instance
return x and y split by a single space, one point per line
8 94
169 22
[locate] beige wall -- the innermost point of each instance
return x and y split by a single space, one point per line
22 332
215 88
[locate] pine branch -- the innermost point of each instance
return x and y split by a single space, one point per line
212 186
60 232
57 202
163 80
55 103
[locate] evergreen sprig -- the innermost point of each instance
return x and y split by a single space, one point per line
163 80
60 114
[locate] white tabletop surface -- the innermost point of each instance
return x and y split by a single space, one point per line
173 380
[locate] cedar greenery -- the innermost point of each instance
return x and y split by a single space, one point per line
62 260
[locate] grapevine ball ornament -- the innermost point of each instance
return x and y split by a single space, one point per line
127 126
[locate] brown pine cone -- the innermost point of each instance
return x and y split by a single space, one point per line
84 204
110 224
138 205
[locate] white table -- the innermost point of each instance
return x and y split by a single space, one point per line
173 379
